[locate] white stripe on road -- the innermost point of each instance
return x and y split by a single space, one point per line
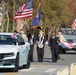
50 70
27 69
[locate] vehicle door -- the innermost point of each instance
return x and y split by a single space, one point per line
23 52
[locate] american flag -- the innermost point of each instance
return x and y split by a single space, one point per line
26 11
74 24
66 45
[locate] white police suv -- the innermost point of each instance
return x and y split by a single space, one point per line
14 51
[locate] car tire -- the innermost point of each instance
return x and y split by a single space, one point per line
16 64
27 66
63 51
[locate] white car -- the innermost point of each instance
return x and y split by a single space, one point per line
14 51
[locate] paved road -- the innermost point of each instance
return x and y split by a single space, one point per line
46 67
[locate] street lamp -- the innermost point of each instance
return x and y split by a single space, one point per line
3 12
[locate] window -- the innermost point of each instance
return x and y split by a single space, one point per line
6 40
20 40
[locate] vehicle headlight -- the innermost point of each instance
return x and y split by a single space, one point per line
9 54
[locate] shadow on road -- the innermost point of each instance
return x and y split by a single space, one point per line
47 60
5 70
8 70
44 60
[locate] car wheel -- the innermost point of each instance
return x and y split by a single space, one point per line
16 64
63 51
27 65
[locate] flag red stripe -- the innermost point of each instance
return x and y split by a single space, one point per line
22 16
25 11
74 24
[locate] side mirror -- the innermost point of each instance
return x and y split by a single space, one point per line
22 43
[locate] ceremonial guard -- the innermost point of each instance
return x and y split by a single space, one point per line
31 39
40 46
53 44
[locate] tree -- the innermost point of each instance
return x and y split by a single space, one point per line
55 14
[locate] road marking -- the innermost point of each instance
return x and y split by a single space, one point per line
11 74
51 70
27 69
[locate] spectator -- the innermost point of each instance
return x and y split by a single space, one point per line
23 35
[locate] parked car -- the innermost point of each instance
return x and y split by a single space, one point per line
14 51
69 37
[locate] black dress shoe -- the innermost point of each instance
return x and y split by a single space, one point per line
54 61
58 58
31 60
38 60
41 60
